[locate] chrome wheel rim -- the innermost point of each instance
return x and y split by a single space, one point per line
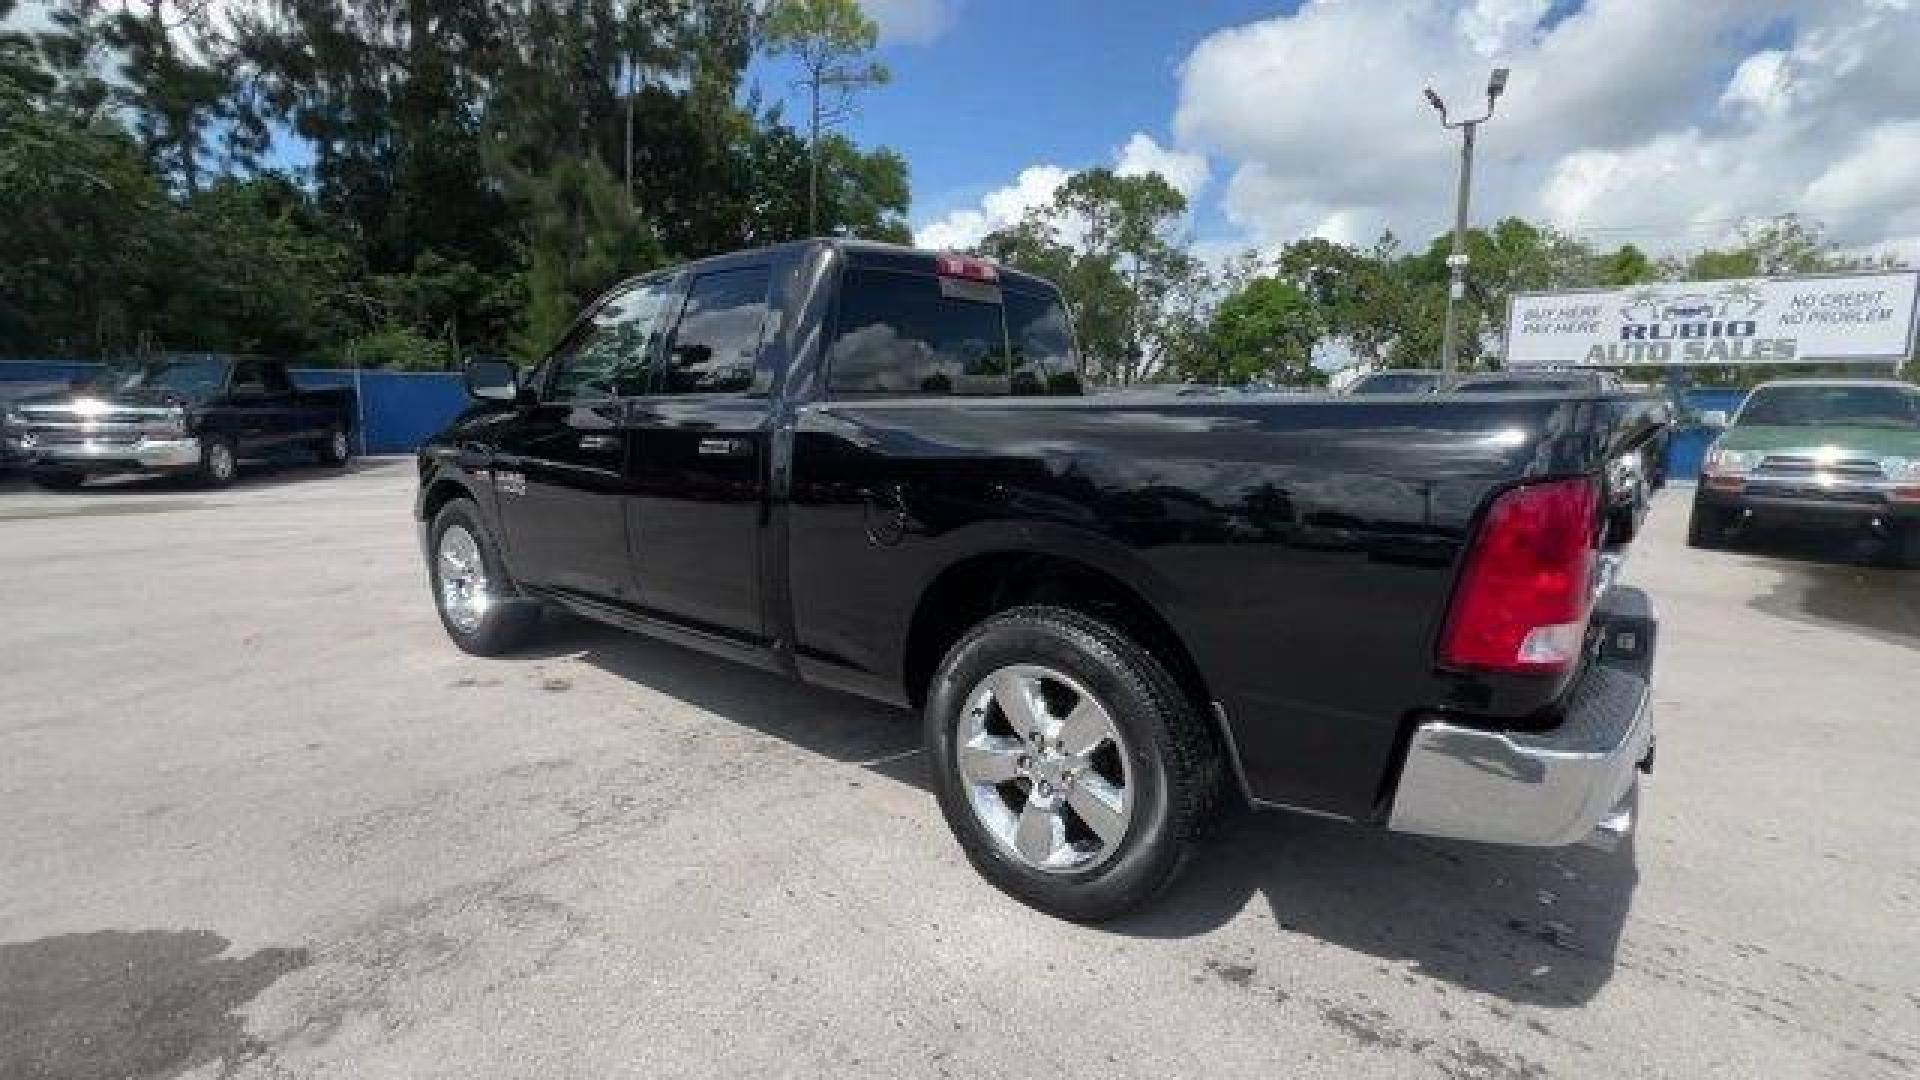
1045 769
462 574
220 461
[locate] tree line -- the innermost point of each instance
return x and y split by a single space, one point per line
1147 307
400 182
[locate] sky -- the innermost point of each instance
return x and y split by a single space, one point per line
1666 123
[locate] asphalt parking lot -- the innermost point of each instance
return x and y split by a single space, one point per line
263 820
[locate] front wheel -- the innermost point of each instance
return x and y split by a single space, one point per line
57 480
1906 545
478 605
1707 527
1070 765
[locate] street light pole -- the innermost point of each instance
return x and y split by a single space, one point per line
1457 261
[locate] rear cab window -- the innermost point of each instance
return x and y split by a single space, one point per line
907 331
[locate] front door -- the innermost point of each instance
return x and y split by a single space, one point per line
560 467
700 460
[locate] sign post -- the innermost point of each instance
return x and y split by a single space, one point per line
1828 318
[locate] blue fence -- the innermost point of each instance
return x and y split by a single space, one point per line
1687 448
398 409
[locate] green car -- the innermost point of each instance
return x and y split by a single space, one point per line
1817 452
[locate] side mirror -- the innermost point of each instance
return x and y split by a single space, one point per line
493 380
1713 418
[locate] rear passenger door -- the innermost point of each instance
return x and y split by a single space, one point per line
700 458
258 409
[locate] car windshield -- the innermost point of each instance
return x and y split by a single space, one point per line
1896 407
194 379
1394 382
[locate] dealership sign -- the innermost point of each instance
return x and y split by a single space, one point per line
1830 318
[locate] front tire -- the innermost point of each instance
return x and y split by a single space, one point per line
1906 545
1707 526
478 605
57 479
1072 768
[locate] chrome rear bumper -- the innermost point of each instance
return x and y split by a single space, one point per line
1548 788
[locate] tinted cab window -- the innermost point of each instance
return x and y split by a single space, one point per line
1040 337
907 333
609 355
716 346
256 378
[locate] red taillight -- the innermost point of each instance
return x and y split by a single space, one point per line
1527 587
966 268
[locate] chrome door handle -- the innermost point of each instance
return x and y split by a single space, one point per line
722 447
598 442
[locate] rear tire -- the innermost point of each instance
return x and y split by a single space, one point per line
57 479
1158 761
219 463
335 448
477 602
1707 527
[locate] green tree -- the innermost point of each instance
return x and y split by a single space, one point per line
85 222
1626 265
1266 330
1115 247
1359 296
1788 244
582 236
830 40
251 265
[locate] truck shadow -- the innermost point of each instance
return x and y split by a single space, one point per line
1534 927
1529 926
266 472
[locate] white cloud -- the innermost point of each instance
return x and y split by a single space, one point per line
1187 173
1000 207
1664 122
911 22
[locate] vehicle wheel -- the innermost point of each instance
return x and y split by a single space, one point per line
1907 545
1068 762
218 463
477 602
1707 527
335 449
57 479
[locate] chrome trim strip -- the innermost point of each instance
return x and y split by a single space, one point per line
147 453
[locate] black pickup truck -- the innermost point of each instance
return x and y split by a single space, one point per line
195 415
872 468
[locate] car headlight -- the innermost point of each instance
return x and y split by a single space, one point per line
1730 462
13 417
1901 468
